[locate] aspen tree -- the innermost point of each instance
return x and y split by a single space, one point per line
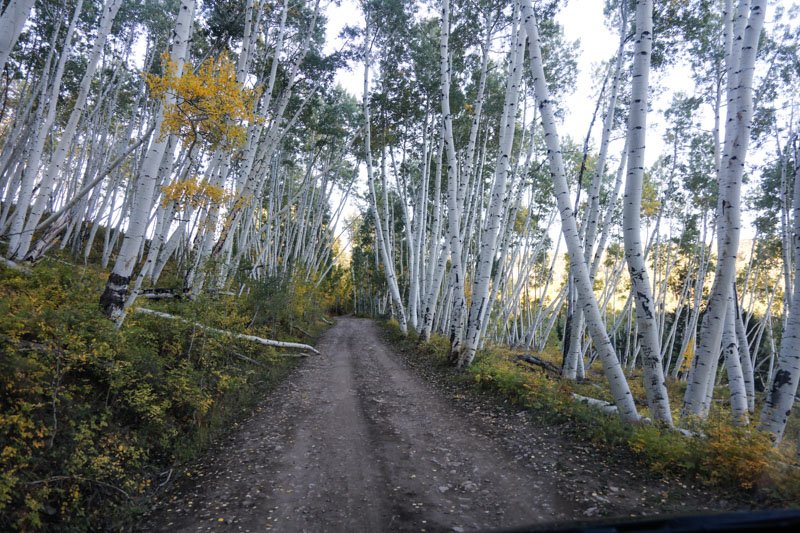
56 163
15 14
113 298
654 383
454 205
36 151
740 63
611 366
784 380
381 237
481 304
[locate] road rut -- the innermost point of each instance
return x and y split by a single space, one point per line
356 440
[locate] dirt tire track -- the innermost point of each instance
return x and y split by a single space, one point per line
356 440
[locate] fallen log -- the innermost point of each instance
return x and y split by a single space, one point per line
606 407
161 293
541 363
251 338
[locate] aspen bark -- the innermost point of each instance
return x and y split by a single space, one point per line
454 206
613 370
654 383
113 298
740 67
481 305
383 245
12 21
56 164
783 385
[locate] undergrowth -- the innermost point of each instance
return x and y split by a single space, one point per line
731 458
93 419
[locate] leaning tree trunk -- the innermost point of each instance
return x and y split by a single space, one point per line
613 370
56 164
36 152
11 23
654 384
113 298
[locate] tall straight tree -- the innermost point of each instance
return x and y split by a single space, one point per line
654 384
744 31
481 304
454 205
780 398
383 245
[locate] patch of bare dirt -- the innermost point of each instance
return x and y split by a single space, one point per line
365 439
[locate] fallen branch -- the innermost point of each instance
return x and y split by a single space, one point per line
326 320
603 405
54 479
546 365
301 330
251 338
157 293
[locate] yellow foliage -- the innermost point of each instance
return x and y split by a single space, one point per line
210 104
740 455
688 356
192 192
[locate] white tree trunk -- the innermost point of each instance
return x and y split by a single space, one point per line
783 385
11 23
454 206
730 351
654 383
618 385
113 299
56 164
37 149
481 305
741 65
383 245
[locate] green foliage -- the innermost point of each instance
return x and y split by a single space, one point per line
285 303
90 417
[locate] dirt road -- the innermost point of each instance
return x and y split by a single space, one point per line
356 440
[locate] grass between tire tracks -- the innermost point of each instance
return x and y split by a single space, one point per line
736 460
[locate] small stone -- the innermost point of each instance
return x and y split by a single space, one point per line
469 486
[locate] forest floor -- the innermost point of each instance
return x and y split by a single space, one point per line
362 439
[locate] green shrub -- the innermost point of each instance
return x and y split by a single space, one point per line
91 418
